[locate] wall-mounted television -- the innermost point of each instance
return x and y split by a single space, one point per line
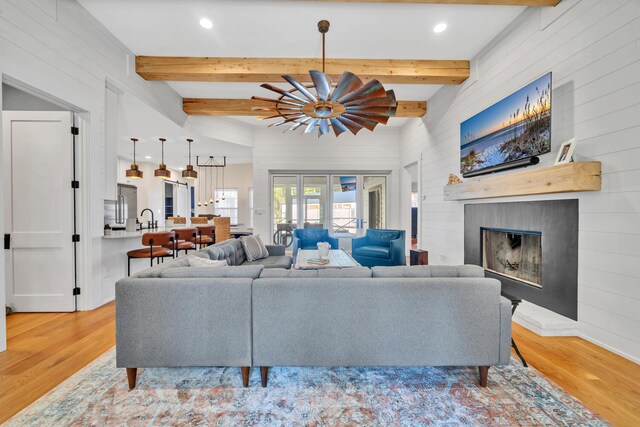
510 131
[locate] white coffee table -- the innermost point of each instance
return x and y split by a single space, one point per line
338 258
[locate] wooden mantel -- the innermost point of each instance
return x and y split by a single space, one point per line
563 178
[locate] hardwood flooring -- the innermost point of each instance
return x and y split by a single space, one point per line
46 348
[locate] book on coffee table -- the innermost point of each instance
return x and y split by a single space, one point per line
318 261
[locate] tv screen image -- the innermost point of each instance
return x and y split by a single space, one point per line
517 127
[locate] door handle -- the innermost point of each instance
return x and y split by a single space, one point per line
7 241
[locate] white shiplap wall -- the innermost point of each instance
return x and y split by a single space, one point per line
368 151
593 49
57 48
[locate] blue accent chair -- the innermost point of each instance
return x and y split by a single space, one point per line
379 248
308 238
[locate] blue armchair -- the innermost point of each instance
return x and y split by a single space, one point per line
308 238
379 247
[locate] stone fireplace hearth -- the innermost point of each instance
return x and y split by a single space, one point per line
531 247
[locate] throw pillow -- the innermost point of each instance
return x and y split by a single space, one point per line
203 262
254 249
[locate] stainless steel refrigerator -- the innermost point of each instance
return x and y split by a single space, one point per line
116 212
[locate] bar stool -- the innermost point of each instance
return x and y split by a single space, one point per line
155 249
206 235
185 240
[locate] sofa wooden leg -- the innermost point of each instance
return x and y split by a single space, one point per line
484 374
131 377
264 372
245 375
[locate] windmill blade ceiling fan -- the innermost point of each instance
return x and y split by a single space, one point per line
349 105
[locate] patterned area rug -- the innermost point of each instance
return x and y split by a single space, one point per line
98 396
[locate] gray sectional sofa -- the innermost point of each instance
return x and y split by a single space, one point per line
243 316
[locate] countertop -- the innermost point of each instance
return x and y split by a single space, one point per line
123 234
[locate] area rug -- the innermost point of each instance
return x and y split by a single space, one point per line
98 396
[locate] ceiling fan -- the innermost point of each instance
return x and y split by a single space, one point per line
349 105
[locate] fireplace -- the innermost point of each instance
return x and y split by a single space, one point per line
513 253
530 247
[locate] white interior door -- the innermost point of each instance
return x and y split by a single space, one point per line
38 162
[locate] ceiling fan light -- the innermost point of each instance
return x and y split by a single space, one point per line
323 110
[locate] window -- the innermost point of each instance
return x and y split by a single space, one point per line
228 206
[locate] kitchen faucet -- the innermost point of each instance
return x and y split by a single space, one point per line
150 224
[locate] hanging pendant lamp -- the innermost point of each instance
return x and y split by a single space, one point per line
216 191
205 203
188 172
199 192
134 172
162 171
349 105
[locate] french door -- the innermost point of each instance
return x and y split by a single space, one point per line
347 204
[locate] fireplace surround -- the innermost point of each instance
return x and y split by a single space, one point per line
552 224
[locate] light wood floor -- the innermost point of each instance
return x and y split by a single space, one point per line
46 348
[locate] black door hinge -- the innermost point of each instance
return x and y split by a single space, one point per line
75 238
7 241
75 130
75 184
76 291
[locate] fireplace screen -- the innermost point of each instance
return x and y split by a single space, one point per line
514 254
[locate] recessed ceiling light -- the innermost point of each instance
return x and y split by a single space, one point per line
440 27
181 168
147 157
206 23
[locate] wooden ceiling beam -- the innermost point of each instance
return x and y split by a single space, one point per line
203 69
476 2
243 107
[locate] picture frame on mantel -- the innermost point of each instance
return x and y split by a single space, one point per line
565 154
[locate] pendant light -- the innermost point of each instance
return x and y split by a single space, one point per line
205 203
162 171
188 172
134 172
223 184
199 192
216 192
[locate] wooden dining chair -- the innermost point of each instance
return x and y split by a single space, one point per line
222 228
178 219
185 240
206 235
199 220
155 248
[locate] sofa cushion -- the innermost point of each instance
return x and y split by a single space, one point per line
229 250
351 272
272 262
250 272
178 262
282 273
254 249
429 271
203 262
374 251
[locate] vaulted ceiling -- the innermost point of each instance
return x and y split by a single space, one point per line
287 29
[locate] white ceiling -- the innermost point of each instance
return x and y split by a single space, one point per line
288 28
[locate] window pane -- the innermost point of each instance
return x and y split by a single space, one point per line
285 208
227 203
344 205
314 201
